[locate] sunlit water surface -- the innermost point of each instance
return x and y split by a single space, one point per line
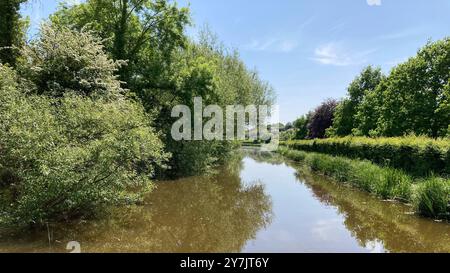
259 203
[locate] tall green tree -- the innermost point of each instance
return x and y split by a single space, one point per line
164 68
365 83
11 30
133 30
301 126
414 93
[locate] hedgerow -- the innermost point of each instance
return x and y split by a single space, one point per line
418 156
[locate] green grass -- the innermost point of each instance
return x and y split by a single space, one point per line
431 196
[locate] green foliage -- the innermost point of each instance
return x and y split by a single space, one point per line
64 60
419 156
287 135
71 138
433 198
210 71
412 99
166 69
301 125
70 155
145 33
430 196
345 116
12 31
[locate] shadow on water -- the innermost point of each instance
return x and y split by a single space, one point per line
217 213
259 202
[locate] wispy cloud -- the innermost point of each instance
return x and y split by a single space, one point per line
275 45
374 2
335 54
287 43
402 34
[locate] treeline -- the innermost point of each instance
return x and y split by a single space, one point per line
414 99
400 122
86 105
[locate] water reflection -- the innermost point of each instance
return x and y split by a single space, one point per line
201 214
371 221
259 203
376 225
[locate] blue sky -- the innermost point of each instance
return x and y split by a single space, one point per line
310 50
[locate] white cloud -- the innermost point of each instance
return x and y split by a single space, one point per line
374 2
329 54
72 2
334 54
276 45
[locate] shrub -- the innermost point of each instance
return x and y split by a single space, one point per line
64 60
419 156
433 198
71 156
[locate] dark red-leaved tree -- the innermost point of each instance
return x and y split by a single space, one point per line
321 119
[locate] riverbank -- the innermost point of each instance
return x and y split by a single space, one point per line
418 156
260 202
430 196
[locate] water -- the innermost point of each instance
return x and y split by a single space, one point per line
260 203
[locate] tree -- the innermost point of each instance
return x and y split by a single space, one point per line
322 119
345 117
414 92
369 112
133 30
64 60
11 30
443 112
301 125
166 69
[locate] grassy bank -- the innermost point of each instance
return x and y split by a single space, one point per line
430 196
418 156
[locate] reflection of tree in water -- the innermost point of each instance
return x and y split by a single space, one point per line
263 157
204 214
371 220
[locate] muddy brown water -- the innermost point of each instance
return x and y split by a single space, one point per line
258 203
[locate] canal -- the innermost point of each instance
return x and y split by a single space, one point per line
258 203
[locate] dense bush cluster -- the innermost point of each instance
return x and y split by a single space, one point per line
65 155
85 106
419 156
165 68
431 197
